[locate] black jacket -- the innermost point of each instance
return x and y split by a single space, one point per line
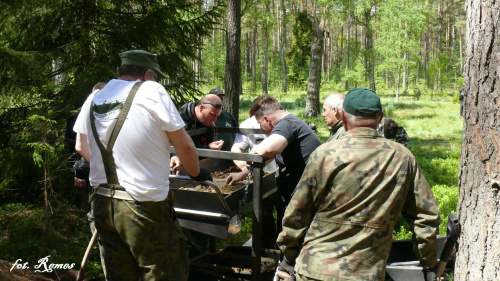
188 115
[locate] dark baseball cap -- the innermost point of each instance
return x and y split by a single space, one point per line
362 102
141 58
216 91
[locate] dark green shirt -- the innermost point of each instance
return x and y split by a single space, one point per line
336 131
226 119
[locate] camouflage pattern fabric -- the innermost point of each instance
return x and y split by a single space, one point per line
299 277
390 129
339 223
140 240
336 131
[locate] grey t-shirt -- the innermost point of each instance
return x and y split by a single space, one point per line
302 141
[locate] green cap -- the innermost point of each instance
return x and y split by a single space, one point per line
362 102
141 58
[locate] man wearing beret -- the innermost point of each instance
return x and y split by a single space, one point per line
339 223
125 131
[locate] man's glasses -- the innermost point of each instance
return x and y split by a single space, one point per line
218 106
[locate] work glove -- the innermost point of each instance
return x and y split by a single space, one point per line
204 175
430 274
287 267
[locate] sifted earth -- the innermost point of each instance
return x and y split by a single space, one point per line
219 180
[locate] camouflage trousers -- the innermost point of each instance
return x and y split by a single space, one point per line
140 240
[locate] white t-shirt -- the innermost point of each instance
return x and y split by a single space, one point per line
142 148
244 141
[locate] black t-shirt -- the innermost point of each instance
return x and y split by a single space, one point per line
302 141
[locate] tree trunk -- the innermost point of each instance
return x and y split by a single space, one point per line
348 37
440 26
479 176
397 76
370 56
265 39
254 50
427 50
406 72
461 51
313 86
283 46
248 60
233 63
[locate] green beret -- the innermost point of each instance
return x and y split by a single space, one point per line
362 102
141 58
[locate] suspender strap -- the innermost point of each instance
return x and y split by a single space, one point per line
107 153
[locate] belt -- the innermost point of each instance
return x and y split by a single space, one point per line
116 194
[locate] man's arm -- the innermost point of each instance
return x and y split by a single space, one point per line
185 150
271 146
239 163
82 146
301 210
421 211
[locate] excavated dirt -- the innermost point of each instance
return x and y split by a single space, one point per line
219 180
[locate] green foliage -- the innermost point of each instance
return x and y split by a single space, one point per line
214 64
401 23
447 198
299 54
43 80
403 232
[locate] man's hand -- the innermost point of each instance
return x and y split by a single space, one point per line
431 274
204 175
285 270
80 183
236 177
175 164
216 145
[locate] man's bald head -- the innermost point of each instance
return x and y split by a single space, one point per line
332 106
208 109
210 98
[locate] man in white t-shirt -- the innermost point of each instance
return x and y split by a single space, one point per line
129 172
241 143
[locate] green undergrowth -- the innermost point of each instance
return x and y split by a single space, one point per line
23 236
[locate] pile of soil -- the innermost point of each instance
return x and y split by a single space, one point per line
219 180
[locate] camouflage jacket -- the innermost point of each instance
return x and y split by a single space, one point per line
336 131
390 129
339 223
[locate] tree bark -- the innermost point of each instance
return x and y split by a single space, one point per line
233 62
265 43
283 46
479 176
248 60
369 57
313 86
348 37
254 50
